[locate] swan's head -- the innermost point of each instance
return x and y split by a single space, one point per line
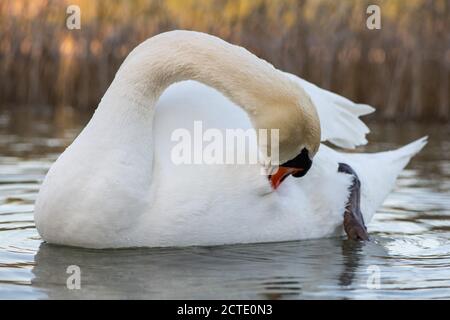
297 121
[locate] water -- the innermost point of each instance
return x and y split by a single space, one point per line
410 248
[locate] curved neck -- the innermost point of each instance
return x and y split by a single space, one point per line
270 98
248 81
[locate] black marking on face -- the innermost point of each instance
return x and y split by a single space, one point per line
301 161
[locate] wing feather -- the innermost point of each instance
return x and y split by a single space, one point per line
339 116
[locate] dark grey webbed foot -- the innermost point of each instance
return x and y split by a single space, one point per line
353 220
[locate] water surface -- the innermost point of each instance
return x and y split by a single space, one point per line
410 248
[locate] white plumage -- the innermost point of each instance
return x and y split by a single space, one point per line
116 185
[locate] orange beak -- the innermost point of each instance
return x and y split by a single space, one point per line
281 174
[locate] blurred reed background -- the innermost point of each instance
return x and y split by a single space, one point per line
402 69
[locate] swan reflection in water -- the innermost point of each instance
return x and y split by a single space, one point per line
288 270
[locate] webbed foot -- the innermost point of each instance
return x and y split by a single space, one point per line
353 220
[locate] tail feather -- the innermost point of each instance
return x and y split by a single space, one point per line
405 153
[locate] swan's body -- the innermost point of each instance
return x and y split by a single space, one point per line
116 185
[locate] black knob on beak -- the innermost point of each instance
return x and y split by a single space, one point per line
296 167
301 161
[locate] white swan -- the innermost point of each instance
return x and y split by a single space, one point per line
116 185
